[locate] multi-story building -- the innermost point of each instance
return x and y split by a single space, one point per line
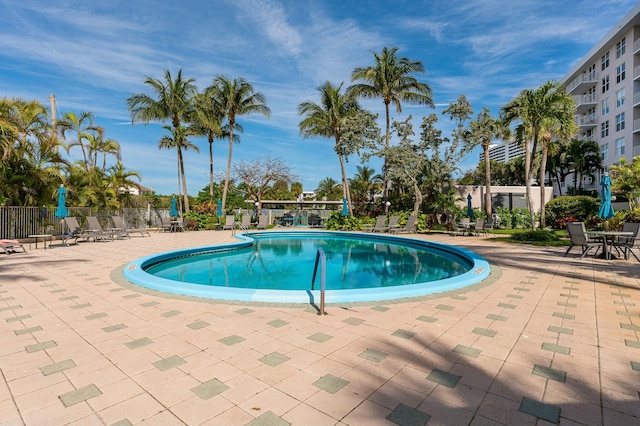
504 152
606 86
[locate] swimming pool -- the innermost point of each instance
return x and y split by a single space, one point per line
278 266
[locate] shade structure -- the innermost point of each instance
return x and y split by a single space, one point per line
345 207
174 208
606 209
61 210
469 208
219 207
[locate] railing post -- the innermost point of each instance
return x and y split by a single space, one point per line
321 258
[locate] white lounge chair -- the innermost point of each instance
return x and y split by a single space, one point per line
230 222
118 222
11 246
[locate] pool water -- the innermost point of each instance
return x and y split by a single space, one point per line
278 263
277 267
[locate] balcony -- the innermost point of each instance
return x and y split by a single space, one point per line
636 47
636 151
636 73
636 99
584 102
587 120
583 82
636 125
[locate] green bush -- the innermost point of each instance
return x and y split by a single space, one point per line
338 222
579 208
514 218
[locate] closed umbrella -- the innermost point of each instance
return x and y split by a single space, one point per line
345 208
606 209
469 208
174 208
219 207
61 209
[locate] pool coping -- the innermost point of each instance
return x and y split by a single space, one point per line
133 273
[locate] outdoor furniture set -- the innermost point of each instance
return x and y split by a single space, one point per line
622 241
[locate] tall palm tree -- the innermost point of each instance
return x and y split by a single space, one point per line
178 138
537 112
234 98
173 102
391 78
327 119
82 126
328 188
483 130
207 121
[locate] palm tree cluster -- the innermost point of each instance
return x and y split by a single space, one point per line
212 113
33 165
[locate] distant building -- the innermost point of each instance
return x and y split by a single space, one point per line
504 152
607 96
136 189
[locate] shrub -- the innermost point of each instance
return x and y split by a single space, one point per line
579 208
338 222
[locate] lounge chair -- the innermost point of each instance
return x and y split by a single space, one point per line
409 227
626 243
579 237
75 231
96 231
230 222
11 246
380 224
245 222
118 222
393 223
263 221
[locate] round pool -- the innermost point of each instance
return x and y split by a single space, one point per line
279 267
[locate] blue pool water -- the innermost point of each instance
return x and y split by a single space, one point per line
278 267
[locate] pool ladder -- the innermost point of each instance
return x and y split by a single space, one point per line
321 259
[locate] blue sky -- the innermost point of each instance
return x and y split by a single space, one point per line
94 55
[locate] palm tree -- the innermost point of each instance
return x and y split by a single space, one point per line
328 188
328 120
178 139
547 108
173 102
391 78
82 125
234 98
482 131
583 157
207 121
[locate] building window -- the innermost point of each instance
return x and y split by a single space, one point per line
619 147
620 72
605 61
620 98
604 129
620 122
605 83
605 106
604 152
620 47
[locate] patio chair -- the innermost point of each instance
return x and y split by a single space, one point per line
380 224
393 223
230 222
118 222
579 237
263 221
626 243
488 226
245 222
96 231
462 227
409 227
11 246
75 231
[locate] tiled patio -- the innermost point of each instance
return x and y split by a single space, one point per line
549 340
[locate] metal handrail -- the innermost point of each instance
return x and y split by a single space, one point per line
321 259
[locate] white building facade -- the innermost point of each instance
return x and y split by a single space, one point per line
606 86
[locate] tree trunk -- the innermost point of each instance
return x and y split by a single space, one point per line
418 202
226 179
184 181
345 184
210 168
387 184
528 174
543 167
487 181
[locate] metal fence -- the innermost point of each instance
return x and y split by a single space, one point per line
20 222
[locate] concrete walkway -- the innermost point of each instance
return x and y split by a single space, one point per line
549 340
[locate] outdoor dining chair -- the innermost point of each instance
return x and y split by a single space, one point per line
579 237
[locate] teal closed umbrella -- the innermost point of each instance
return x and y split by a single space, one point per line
606 209
469 208
345 208
61 210
174 207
